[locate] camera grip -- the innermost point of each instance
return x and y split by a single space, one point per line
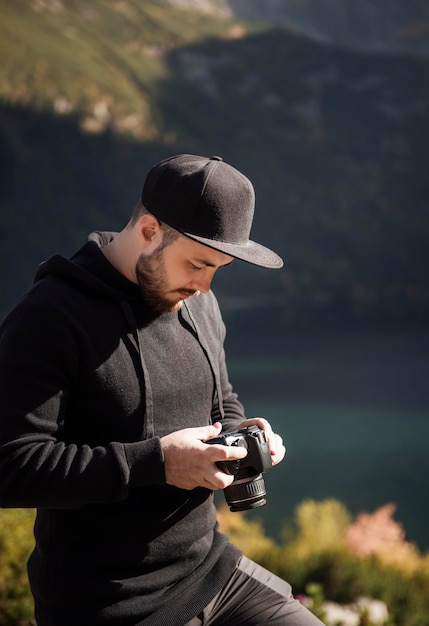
229 467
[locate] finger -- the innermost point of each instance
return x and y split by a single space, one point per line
218 453
218 480
223 480
209 432
278 450
260 422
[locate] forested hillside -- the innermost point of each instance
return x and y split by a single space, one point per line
336 143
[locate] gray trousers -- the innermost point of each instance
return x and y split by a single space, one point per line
253 596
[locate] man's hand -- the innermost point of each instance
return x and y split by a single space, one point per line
277 448
190 463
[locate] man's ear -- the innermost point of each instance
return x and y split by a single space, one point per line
149 230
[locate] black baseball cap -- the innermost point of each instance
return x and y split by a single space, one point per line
209 201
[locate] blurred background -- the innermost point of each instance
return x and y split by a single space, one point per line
324 105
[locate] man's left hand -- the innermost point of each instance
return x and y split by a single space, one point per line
277 448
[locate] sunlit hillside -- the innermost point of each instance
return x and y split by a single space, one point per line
335 142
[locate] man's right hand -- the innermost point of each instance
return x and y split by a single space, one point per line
190 462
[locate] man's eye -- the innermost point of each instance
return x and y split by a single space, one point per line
196 267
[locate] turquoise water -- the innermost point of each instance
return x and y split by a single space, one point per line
353 409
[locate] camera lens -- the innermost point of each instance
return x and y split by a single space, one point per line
246 493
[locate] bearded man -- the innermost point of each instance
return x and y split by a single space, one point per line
112 382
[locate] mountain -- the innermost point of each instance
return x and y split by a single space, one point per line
377 26
335 141
380 26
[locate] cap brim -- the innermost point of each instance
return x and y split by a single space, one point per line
251 252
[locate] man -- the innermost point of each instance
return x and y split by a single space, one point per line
112 380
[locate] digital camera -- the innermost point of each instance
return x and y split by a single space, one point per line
248 489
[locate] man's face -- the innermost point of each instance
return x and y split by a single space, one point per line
182 269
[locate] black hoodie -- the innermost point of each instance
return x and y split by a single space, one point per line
90 380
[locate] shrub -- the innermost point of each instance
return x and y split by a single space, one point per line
320 526
16 544
249 536
380 535
377 564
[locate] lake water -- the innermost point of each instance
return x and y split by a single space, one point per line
353 409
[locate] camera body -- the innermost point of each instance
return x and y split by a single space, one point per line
248 489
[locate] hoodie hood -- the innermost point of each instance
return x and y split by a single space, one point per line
89 270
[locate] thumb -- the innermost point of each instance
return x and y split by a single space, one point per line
209 432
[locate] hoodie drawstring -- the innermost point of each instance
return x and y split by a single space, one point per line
210 359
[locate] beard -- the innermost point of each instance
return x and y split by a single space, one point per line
152 280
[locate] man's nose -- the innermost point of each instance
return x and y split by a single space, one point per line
200 285
203 282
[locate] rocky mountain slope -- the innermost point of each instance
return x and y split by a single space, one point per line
335 141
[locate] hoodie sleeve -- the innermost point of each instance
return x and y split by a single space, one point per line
38 468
